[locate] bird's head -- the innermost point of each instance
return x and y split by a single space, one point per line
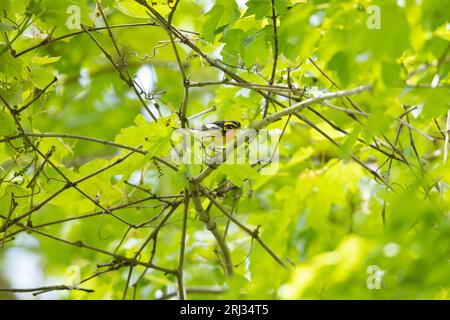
228 124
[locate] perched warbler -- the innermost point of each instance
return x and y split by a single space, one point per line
210 140
228 129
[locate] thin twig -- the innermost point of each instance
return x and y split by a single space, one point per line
40 290
194 290
253 233
180 269
73 34
37 96
447 134
124 76
202 113
275 54
127 284
81 244
212 227
75 137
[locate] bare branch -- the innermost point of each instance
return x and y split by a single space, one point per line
40 290
124 76
75 137
73 34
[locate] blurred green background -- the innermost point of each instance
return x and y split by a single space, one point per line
321 211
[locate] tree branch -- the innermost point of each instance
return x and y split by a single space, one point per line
180 269
40 290
253 233
212 227
294 109
73 136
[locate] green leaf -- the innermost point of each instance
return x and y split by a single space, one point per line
61 149
153 137
376 123
108 3
4 5
391 39
41 77
437 102
133 9
299 44
13 95
259 8
346 148
391 74
222 14
7 126
62 13
341 65
233 46
237 173
44 60
255 47
10 67
5 27
263 8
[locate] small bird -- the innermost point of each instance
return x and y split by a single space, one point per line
209 141
215 137
220 125
228 129
224 127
